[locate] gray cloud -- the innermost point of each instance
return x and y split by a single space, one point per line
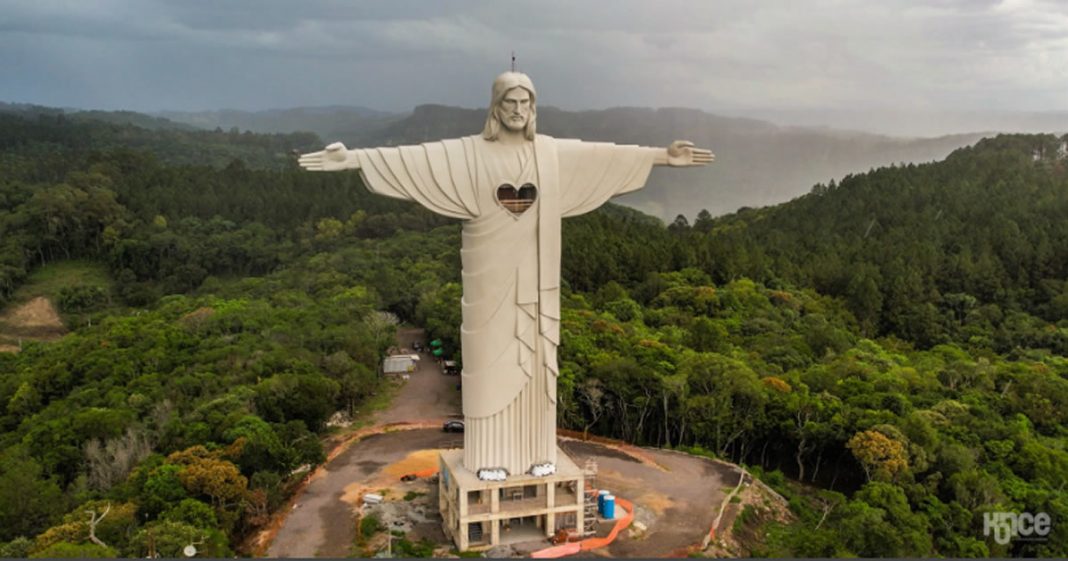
719 56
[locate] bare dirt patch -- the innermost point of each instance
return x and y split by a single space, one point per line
414 463
36 320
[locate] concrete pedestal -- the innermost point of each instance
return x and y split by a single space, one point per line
480 514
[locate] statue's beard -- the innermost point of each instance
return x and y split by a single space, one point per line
515 124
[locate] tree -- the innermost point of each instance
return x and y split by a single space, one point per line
725 401
679 225
704 222
111 460
707 335
62 550
104 523
591 392
866 300
289 396
881 457
168 538
811 425
913 528
28 500
866 532
161 490
202 473
260 447
193 513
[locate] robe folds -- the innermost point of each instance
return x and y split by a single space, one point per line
511 270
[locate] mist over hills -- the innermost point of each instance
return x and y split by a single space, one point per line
324 121
912 122
757 162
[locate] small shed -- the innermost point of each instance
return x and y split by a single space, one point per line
398 364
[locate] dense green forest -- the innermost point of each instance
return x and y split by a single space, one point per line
888 352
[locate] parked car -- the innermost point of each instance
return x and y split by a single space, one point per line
453 426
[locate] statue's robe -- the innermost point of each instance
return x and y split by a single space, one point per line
511 270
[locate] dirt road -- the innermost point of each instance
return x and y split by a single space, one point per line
428 395
676 495
321 524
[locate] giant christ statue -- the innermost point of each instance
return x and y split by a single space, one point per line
511 187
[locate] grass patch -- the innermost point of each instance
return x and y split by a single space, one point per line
407 548
49 280
379 401
370 525
84 286
698 451
412 495
366 528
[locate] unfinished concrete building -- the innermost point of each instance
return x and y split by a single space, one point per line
481 514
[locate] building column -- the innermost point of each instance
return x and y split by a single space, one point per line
580 513
550 503
495 500
442 497
495 532
461 510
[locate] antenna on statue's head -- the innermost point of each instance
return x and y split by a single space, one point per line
513 61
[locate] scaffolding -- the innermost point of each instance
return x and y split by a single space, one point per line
589 518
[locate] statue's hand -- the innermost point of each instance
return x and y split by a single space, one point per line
682 153
334 157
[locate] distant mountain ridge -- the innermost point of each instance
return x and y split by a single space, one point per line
142 120
758 163
327 121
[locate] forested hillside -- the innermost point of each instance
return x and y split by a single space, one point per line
888 352
49 136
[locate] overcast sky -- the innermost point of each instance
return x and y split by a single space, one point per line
737 57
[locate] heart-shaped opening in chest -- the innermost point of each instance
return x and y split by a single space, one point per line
517 201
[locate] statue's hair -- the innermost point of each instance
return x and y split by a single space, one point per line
501 86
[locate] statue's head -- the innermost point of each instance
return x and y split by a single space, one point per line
512 106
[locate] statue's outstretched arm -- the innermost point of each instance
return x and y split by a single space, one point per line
334 158
682 153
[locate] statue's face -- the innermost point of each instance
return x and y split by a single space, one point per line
514 109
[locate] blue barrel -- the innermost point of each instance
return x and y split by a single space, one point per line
600 499
609 509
